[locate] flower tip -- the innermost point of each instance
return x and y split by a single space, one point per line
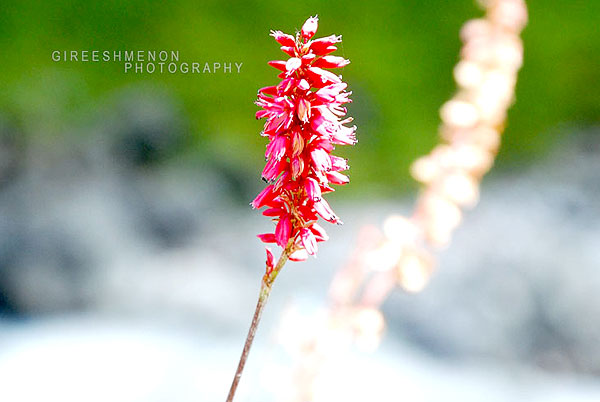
283 39
270 263
310 27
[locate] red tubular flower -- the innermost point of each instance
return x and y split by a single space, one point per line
303 125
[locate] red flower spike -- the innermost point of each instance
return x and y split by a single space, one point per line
304 117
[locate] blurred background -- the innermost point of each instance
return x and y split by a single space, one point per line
128 263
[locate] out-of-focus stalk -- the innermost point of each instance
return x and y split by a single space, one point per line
404 252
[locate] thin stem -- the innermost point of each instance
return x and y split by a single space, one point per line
265 291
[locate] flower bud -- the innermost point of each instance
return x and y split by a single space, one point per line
303 110
283 39
270 261
310 28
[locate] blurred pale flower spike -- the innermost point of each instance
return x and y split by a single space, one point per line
472 124
404 252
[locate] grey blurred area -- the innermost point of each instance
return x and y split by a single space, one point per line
128 275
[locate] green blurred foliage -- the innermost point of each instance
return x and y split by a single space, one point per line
402 56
